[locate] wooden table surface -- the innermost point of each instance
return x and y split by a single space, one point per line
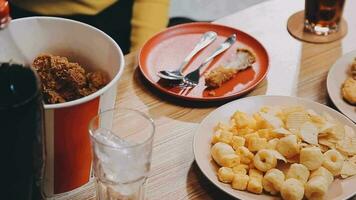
296 69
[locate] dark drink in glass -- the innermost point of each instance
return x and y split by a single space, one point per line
21 129
323 17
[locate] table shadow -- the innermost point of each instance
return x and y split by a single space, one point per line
199 185
140 81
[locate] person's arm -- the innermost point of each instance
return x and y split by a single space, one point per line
148 18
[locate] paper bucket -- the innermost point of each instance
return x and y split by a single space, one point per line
68 153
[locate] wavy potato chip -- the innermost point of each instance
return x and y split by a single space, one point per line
292 109
311 112
347 146
296 119
278 155
272 120
337 132
323 148
324 141
328 117
316 118
349 132
348 169
281 131
325 127
309 133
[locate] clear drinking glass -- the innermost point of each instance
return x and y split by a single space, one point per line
122 147
323 17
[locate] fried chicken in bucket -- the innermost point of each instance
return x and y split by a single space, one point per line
64 81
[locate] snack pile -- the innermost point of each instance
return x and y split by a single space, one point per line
289 151
64 81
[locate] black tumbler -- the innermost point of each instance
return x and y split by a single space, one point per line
21 129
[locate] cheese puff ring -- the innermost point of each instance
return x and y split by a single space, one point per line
273 180
292 189
264 160
333 161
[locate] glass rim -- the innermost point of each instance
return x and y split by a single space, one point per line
92 121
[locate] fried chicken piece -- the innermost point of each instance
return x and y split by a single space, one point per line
349 91
96 79
51 96
87 91
219 76
65 81
70 73
244 58
42 62
42 65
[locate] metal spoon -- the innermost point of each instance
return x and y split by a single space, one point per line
205 40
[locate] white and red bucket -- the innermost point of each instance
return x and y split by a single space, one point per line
67 144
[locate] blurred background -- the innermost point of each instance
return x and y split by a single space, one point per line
129 22
208 10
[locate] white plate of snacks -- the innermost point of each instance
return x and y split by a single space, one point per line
283 145
341 84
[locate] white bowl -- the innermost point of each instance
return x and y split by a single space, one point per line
339 189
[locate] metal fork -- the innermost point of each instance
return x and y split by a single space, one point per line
192 79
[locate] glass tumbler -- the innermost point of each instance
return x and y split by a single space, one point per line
323 17
122 147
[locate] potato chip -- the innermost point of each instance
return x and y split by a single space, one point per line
295 120
311 112
337 132
317 119
278 155
292 109
281 131
349 132
325 127
352 159
272 120
303 145
272 110
328 117
323 148
309 133
347 146
348 169
324 141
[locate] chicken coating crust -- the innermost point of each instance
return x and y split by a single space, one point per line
349 90
64 81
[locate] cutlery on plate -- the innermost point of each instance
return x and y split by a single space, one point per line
192 79
206 39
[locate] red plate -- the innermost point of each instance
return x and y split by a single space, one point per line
167 49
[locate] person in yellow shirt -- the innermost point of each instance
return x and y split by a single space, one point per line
129 22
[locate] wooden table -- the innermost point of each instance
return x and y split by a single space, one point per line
296 68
